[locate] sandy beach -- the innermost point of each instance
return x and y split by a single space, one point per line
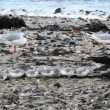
61 69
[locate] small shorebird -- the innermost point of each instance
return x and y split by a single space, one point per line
14 39
76 32
103 38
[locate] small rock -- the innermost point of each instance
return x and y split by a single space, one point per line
108 17
72 42
58 10
57 84
87 12
40 37
101 59
95 26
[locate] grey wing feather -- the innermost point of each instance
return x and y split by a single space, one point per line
103 36
14 36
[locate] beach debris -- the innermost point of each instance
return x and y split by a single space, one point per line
58 10
11 21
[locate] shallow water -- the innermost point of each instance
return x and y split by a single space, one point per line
70 8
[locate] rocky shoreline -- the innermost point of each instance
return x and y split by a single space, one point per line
61 64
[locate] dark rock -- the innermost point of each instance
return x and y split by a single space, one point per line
9 22
69 41
54 27
31 49
72 42
82 19
103 59
56 51
63 21
49 33
107 95
95 26
3 45
67 28
59 51
24 54
97 106
58 10
81 10
40 37
103 69
30 106
57 84
39 62
52 40
57 44
66 40
87 12
5 51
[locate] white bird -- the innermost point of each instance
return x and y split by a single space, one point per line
103 38
14 39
